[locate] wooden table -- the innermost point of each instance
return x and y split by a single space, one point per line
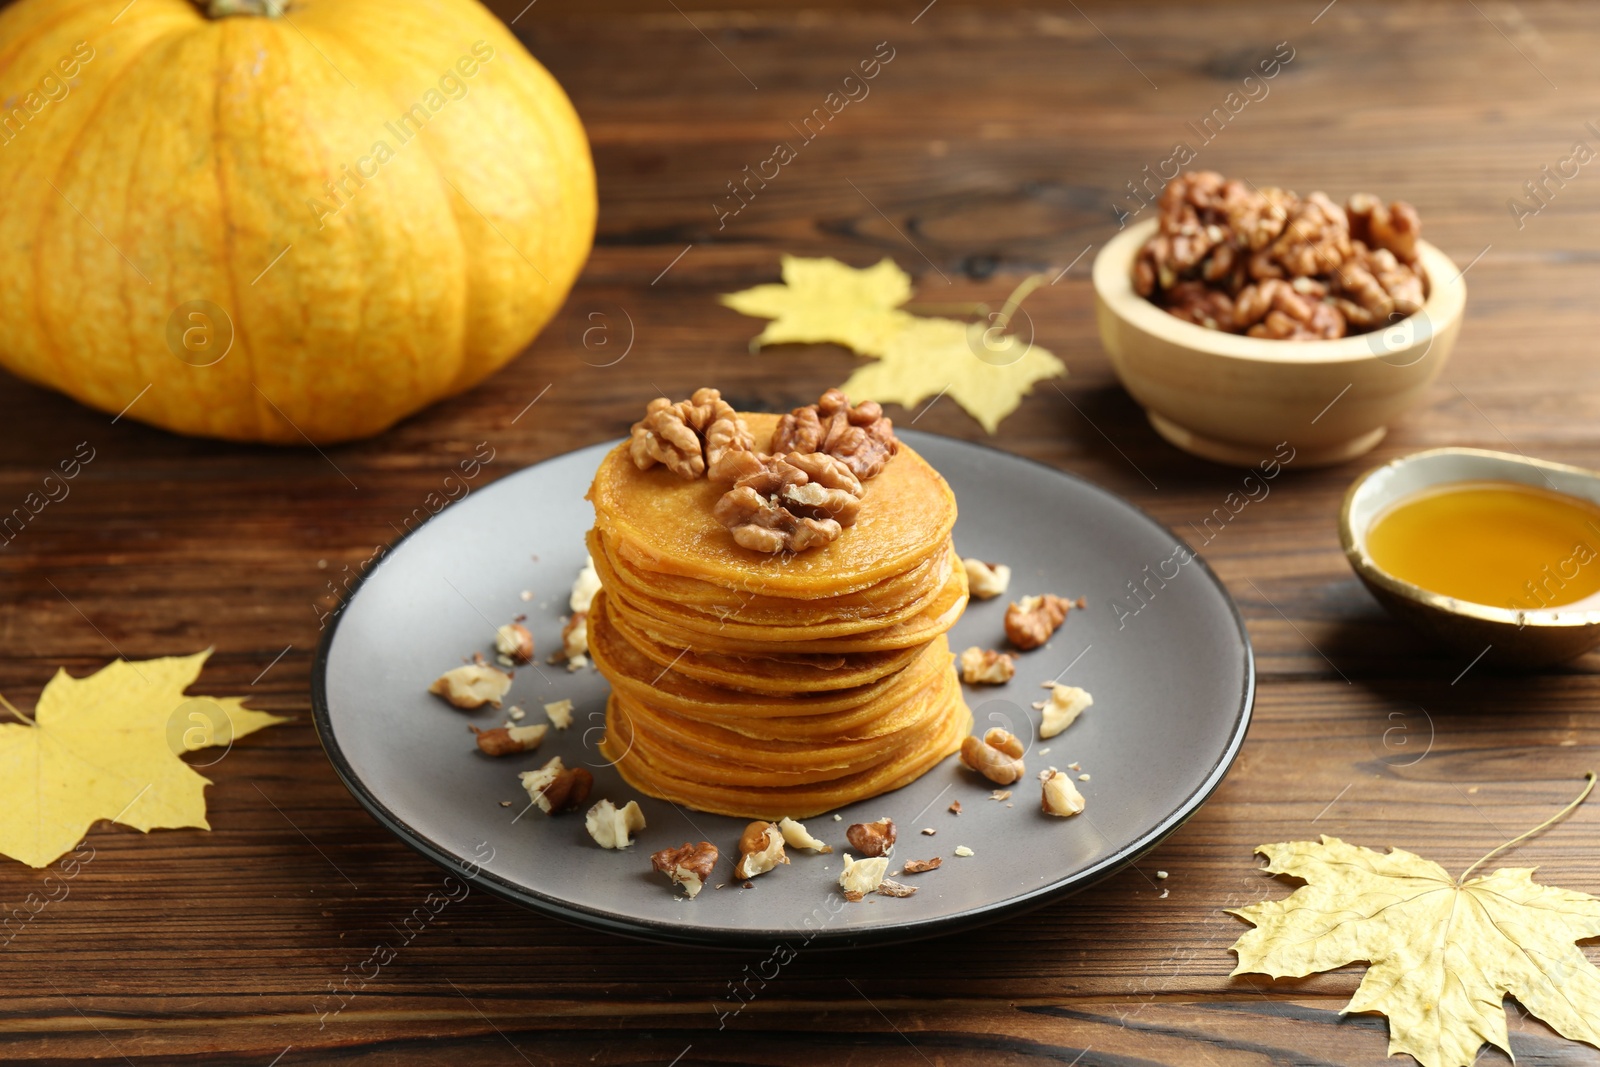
997 142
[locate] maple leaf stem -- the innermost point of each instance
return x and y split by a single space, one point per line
1014 301
1551 821
12 709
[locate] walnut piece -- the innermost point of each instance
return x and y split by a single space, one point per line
890 888
584 587
560 712
689 865
556 788
998 757
872 838
514 642
791 503
918 866
985 581
574 642
1062 708
1058 796
611 826
1031 620
760 849
472 685
687 436
863 876
861 436
509 740
981 666
1231 257
795 835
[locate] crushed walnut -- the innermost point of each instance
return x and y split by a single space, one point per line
890 888
795 835
509 740
1058 796
872 838
514 642
560 712
584 587
1031 620
574 642
689 865
858 435
998 757
689 436
472 685
963 851
985 581
760 849
918 866
1062 708
613 827
790 503
980 666
955 807
1265 262
555 787
863 876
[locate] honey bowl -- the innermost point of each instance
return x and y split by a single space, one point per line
1233 398
1479 525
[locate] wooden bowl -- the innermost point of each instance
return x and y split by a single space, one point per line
1236 399
1502 635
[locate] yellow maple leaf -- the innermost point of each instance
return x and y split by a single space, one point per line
986 371
106 747
824 301
1444 952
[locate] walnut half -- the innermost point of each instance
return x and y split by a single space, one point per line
998 757
860 436
687 436
791 503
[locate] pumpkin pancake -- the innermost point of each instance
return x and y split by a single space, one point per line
764 673
740 605
689 786
921 628
667 523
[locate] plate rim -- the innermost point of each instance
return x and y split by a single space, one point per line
661 932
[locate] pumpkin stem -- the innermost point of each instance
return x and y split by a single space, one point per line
221 9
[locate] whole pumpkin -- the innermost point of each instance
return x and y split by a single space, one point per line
276 221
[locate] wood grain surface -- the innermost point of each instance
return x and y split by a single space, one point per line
999 141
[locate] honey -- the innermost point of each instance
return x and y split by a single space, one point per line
1501 544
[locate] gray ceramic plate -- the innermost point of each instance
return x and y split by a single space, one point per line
1173 684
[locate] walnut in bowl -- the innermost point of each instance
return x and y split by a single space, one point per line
1257 342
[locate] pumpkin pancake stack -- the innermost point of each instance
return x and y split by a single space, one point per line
761 683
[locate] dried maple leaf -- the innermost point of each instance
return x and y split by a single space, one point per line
823 301
106 747
980 366
1444 952
986 372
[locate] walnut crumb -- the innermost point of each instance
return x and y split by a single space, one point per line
560 712
795 835
613 827
1000 794
918 866
955 807
688 865
760 850
472 685
981 666
928 830
1031 620
1058 796
861 877
985 581
964 851
509 740
1062 708
514 642
890 888
555 787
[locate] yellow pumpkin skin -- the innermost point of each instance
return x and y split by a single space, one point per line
236 161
